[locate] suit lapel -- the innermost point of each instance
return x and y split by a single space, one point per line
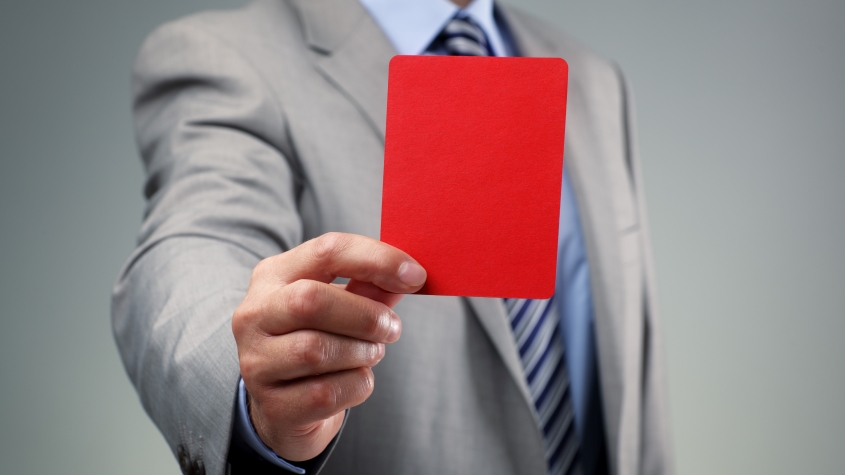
352 52
586 160
491 314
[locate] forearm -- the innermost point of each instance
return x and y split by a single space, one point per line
171 314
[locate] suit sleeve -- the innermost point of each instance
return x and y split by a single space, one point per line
221 192
656 457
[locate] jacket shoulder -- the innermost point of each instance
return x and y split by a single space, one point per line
243 28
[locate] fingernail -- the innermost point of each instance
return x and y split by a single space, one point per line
412 274
395 328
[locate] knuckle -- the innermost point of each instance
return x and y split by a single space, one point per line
309 351
263 269
303 298
378 325
322 395
238 323
242 319
250 366
326 245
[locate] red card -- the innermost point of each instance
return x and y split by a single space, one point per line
473 164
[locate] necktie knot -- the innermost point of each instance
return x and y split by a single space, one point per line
462 36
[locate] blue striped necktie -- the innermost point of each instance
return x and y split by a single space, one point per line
535 323
536 331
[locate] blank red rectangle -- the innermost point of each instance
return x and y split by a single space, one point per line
473 166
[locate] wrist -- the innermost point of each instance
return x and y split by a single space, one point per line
246 432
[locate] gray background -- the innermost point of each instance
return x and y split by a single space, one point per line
742 125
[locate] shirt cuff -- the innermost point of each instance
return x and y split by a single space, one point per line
245 429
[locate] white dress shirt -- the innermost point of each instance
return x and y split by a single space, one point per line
411 25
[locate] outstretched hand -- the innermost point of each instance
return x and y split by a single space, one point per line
306 346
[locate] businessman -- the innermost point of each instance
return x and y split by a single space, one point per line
261 131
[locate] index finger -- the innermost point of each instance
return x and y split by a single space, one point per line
354 256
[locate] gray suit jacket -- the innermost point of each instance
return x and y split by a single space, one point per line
263 127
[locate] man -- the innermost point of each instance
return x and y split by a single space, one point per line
262 135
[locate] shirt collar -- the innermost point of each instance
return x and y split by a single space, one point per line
411 25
